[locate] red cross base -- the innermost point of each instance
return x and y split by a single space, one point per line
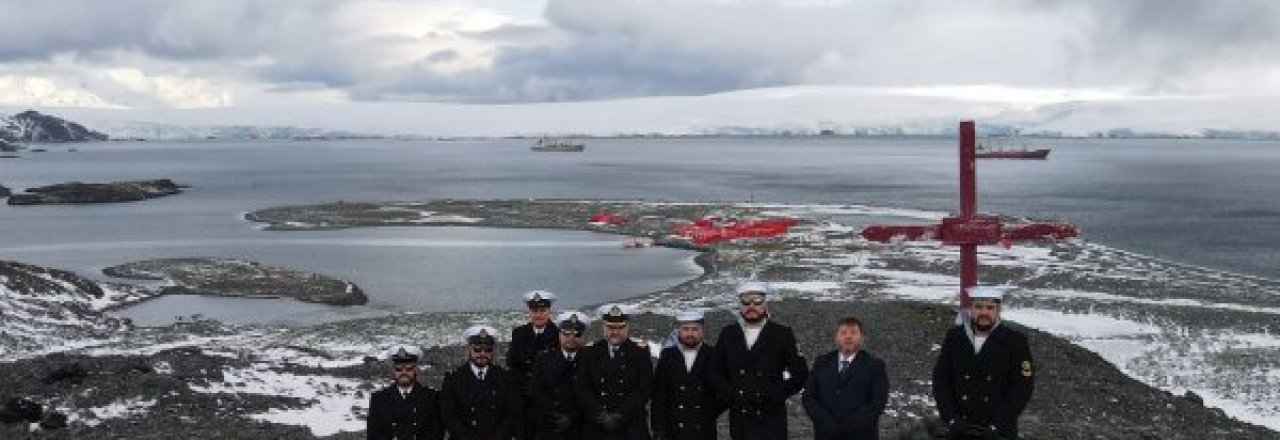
968 229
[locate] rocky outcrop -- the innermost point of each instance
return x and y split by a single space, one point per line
229 277
79 192
41 308
32 126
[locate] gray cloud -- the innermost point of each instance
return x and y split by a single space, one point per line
183 30
593 49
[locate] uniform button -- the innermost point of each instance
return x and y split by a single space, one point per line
988 378
681 387
966 377
964 397
679 406
984 399
680 425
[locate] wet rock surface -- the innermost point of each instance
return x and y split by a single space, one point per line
231 277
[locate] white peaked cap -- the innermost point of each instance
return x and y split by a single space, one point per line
987 292
403 350
690 315
753 287
476 330
565 316
534 295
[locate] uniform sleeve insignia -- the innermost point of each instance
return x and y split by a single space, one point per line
1026 369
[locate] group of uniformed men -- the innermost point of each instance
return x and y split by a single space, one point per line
557 387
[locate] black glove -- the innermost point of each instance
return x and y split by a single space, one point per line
960 426
560 422
986 433
609 420
975 430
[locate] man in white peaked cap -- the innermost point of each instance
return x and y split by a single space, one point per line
406 409
479 400
554 397
684 405
535 336
613 382
748 366
984 377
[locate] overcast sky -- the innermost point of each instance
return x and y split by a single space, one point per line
218 53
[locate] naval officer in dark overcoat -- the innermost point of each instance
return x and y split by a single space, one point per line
984 375
479 400
684 407
614 379
527 340
554 394
405 409
756 367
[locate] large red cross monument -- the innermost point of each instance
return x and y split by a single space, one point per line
969 229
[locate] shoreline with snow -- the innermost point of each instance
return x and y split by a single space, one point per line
1156 322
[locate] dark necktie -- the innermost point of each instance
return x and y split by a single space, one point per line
843 365
480 375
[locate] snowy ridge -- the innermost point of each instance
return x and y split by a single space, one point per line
43 309
31 126
796 110
163 131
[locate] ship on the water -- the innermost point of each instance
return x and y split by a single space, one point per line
557 145
1013 147
1025 153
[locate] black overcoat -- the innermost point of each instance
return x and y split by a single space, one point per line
753 382
987 388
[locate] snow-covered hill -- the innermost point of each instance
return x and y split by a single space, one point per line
847 110
32 126
44 309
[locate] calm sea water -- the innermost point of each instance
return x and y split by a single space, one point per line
1203 202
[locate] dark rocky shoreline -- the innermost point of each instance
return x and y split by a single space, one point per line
238 278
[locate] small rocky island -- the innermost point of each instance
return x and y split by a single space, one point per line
79 192
239 278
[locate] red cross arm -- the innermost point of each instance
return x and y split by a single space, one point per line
980 230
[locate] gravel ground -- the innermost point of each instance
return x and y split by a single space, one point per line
1078 394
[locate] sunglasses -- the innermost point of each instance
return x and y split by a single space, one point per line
615 326
482 349
753 302
404 367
